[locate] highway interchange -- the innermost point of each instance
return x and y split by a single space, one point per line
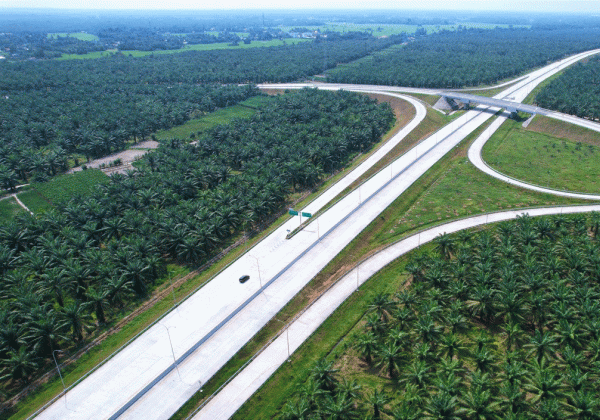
202 333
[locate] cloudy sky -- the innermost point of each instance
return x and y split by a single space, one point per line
585 6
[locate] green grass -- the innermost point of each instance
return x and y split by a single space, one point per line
34 201
544 159
9 208
65 187
193 47
245 109
82 36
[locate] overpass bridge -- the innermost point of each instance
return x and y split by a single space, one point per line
510 106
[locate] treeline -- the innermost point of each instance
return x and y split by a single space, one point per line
575 92
66 271
469 57
93 107
502 324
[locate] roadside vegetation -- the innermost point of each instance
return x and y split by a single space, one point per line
548 153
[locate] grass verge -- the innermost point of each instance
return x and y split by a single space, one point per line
535 156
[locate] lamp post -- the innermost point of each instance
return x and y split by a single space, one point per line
172 351
258 269
287 333
60 374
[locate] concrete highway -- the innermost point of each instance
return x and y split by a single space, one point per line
142 381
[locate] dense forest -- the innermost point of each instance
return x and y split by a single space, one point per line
501 324
50 111
575 92
69 270
466 58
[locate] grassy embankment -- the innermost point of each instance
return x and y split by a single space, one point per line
193 47
548 153
164 302
452 189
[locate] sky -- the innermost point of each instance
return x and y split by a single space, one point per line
561 6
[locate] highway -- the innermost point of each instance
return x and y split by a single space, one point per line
215 322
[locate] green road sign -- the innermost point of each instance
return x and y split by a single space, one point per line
306 214
293 212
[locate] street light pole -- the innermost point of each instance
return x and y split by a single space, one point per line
60 374
258 269
287 333
172 351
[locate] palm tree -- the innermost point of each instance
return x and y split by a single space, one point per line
75 318
585 405
45 332
19 365
444 244
546 384
96 298
378 400
382 305
515 397
447 383
296 410
389 355
350 388
479 404
484 360
366 344
451 344
513 334
322 374
338 408
542 344
442 407
417 373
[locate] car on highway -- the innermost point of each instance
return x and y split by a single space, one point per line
244 278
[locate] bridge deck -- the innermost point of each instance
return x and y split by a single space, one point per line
498 103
